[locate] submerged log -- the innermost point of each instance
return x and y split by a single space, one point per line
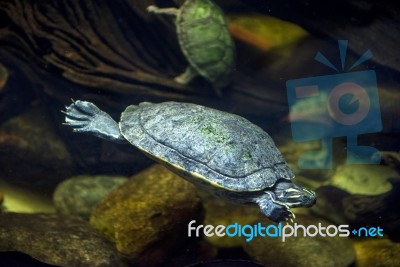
115 47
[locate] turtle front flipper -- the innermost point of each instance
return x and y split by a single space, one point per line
86 117
273 209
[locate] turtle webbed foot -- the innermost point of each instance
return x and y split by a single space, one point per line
86 117
281 213
273 209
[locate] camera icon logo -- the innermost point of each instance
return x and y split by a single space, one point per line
337 105
358 94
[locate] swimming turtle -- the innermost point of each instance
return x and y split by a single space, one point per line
204 40
216 150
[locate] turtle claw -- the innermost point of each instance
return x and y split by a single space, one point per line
75 124
288 214
291 216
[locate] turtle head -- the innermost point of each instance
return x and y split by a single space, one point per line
293 195
276 202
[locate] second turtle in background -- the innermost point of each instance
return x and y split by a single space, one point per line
205 41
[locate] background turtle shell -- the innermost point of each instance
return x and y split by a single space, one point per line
212 147
205 40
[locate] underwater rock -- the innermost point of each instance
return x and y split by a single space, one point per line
341 207
302 251
56 239
23 200
382 211
391 159
361 195
147 217
364 179
330 204
222 212
31 153
377 252
194 250
79 195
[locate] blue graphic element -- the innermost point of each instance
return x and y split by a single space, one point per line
343 51
366 56
321 58
368 232
344 104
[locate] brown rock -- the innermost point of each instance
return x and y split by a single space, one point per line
3 76
222 212
80 194
302 251
193 251
55 239
31 153
147 217
377 252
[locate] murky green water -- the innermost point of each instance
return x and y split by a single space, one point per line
321 80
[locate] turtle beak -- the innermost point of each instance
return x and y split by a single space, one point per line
294 196
307 197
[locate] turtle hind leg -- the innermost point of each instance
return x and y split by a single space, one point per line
186 76
168 11
189 74
86 117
